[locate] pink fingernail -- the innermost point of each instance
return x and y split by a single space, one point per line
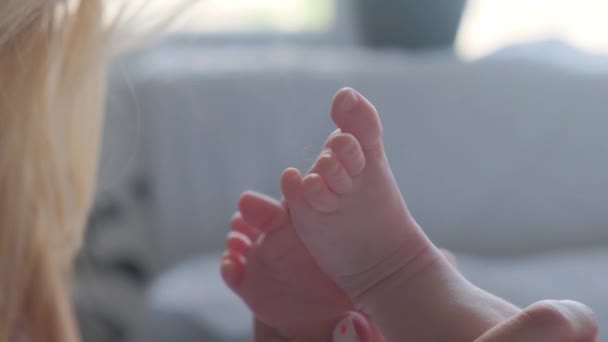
345 331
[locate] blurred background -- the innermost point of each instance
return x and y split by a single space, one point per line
495 117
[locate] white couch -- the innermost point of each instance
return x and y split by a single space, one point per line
504 161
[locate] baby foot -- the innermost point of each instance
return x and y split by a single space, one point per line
267 265
348 209
351 216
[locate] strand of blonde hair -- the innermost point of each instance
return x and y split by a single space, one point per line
53 56
51 90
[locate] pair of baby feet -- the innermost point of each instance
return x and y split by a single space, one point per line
343 239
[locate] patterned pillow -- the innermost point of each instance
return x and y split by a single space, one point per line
115 263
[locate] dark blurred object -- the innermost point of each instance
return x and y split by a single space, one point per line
411 24
118 255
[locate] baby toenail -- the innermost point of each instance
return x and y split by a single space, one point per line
330 164
317 186
347 101
350 149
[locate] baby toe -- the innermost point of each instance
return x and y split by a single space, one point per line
348 151
238 243
318 195
239 225
233 270
333 173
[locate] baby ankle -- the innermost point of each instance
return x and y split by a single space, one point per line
395 283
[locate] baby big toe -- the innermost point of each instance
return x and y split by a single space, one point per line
354 114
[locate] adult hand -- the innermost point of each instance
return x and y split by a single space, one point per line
354 327
548 320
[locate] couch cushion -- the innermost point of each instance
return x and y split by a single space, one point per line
493 157
191 303
577 274
210 309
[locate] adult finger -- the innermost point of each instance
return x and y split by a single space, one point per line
548 320
355 327
450 257
264 333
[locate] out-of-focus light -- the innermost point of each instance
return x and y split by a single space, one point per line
491 24
242 16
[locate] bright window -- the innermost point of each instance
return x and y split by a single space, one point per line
239 16
262 15
491 24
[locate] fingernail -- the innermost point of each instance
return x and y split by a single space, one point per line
573 309
345 331
347 101
581 314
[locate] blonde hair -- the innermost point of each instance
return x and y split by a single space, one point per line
53 55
